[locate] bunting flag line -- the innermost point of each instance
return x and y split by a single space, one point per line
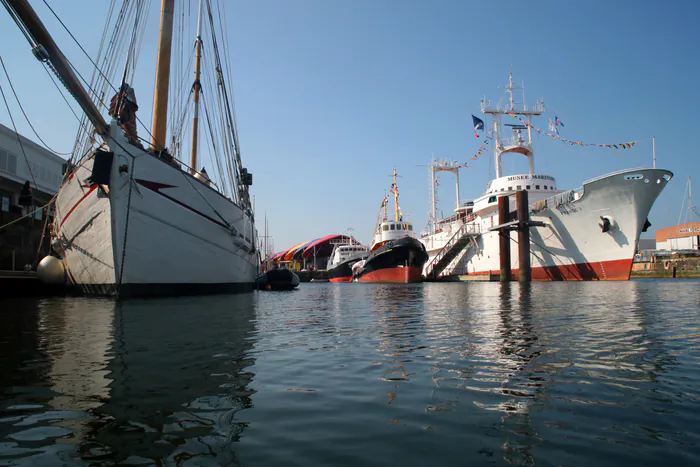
553 127
483 146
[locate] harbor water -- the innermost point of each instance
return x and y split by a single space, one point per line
357 374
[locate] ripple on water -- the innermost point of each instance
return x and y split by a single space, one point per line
358 374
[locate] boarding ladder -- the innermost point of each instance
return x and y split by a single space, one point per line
454 246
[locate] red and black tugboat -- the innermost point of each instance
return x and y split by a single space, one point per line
396 255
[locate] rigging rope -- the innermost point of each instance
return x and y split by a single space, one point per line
2 62
19 139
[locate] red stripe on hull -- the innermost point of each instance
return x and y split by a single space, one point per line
614 270
92 188
341 279
405 275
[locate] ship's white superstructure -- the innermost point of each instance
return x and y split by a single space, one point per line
589 233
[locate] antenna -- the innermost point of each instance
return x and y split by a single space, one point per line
653 139
692 210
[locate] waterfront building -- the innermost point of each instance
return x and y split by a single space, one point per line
41 170
679 237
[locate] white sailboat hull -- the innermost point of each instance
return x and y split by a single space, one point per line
153 230
571 245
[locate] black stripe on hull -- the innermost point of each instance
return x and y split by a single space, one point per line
405 251
126 291
343 269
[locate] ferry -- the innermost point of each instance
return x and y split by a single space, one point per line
396 255
587 233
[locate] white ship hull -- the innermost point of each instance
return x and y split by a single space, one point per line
153 230
571 246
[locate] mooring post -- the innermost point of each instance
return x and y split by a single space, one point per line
525 273
504 238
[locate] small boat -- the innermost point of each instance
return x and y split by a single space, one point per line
277 278
396 255
343 257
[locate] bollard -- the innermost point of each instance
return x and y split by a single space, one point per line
525 273
504 239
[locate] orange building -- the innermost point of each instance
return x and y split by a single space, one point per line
679 237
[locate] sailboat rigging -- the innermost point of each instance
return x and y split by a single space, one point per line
134 221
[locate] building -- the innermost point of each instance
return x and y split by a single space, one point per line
19 242
679 237
646 244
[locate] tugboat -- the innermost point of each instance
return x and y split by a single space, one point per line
396 256
344 256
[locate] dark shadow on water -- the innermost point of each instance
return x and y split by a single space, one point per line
102 383
519 347
179 376
400 309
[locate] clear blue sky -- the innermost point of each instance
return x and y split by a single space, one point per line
331 95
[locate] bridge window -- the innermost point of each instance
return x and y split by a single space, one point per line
545 187
492 199
393 226
404 226
520 187
510 188
410 227
527 187
537 187
385 227
502 189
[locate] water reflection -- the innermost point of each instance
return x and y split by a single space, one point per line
59 351
399 310
156 381
357 374
179 377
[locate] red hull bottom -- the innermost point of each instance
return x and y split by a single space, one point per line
341 279
616 270
405 275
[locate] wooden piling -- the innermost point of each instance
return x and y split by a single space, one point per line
504 238
525 270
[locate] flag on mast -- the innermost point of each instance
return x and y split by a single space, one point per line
478 125
553 126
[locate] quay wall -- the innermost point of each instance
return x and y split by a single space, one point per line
667 267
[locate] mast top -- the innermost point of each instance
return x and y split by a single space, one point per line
517 142
512 106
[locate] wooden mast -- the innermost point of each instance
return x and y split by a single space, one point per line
197 88
160 98
47 50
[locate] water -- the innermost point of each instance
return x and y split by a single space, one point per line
355 374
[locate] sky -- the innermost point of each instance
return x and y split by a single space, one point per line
330 96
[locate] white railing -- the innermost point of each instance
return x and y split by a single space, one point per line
488 106
513 141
